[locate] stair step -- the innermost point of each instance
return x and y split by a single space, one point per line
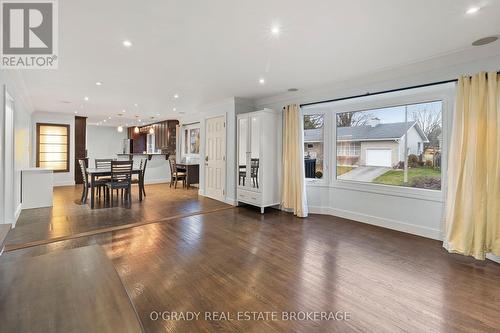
4 231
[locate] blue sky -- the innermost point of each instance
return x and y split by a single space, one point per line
397 114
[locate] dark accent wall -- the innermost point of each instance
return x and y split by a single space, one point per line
80 145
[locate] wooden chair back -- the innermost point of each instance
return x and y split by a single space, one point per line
173 166
103 163
83 169
121 171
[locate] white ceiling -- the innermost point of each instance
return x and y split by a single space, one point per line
209 50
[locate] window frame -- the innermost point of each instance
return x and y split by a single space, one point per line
326 147
185 144
444 93
68 144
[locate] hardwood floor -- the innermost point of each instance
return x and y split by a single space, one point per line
238 260
68 217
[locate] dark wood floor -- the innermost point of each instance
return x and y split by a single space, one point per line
68 217
238 260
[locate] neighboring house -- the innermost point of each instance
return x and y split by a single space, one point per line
375 144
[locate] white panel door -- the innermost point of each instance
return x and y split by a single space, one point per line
378 157
215 159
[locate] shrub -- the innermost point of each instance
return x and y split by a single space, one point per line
430 183
413 161
319 174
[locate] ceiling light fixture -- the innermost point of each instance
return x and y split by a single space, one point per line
104 120
123 111
127 43
485 41
473 10
174 109
109 117
151 131
120 128
176 96
98 83
136 105
275 30
86 98
76 112
136 130
262 80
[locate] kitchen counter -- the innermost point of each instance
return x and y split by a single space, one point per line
157 169
149 155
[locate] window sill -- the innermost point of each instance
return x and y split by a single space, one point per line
406 192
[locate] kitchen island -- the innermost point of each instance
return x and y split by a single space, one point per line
157 169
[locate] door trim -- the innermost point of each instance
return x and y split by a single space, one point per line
224 197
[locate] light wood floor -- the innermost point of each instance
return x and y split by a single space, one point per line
238 260
68 217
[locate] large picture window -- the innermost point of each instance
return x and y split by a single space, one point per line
400 145
52 147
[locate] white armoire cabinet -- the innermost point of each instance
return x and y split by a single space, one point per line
257 159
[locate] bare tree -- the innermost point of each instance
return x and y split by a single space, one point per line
313 121
429 122
356 118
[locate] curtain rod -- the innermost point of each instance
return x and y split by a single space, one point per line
383 92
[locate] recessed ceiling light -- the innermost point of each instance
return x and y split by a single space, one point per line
176 96
275 30
127 43
76 112
104 120
262 80
124 110
485 41
120 128
86 98
139 120
174 109
109 117
472 10
98 83
136 105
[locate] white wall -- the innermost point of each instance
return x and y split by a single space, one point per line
60 178
103 142
229 108
22 125
417 215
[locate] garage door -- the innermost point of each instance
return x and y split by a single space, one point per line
378 157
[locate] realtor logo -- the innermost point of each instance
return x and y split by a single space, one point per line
29 34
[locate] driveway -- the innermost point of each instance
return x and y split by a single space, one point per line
364 173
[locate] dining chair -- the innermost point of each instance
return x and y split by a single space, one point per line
175 174
140 179
102 163
254 171
242 173
86 182
121 179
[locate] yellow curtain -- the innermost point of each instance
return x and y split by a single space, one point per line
294 188
473 198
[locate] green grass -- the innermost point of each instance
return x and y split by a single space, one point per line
343 169
395 177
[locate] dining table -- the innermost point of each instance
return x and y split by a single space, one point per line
93 173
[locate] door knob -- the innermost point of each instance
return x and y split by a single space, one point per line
206 158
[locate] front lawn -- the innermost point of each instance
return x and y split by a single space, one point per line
417 177
343 169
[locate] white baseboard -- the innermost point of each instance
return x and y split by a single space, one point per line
231 201
157 181
381 222
66 183
493 257
16 214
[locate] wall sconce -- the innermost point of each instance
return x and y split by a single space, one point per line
136 130
151 131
